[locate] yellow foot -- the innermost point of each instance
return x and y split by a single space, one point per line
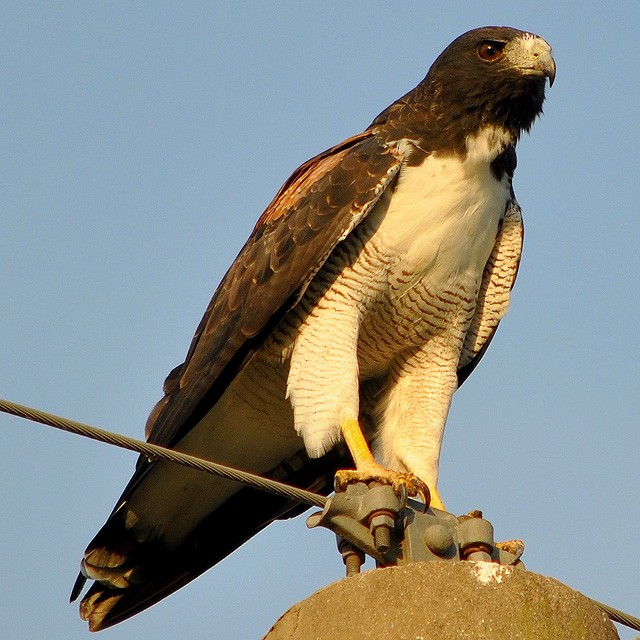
367 469
374 472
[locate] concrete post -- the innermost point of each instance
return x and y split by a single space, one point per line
445 601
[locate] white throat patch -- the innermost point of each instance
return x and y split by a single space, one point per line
487 144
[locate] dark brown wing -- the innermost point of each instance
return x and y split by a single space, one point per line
493 299
315 209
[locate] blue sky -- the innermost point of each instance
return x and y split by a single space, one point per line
141 141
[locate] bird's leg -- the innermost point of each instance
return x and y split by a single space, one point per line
367 469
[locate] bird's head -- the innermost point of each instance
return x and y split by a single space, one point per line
488 77
497 74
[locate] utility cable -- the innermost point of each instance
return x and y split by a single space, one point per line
156 452
618 616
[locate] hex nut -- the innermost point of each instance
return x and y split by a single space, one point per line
381 520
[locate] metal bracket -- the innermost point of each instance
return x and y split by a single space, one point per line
394 530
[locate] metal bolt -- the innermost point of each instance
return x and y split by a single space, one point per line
382 538
352 562
381 524
352 557
438 538
475 537
478 552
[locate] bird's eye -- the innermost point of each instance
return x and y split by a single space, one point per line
491 51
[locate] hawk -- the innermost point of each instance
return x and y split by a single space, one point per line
367 292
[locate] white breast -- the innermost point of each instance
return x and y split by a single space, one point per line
443 216
407 277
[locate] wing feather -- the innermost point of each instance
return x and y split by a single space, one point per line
316 208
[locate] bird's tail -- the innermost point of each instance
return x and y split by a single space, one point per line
131 575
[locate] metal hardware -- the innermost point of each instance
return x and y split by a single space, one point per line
395 530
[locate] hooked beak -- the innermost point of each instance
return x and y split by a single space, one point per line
532 56
547 66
